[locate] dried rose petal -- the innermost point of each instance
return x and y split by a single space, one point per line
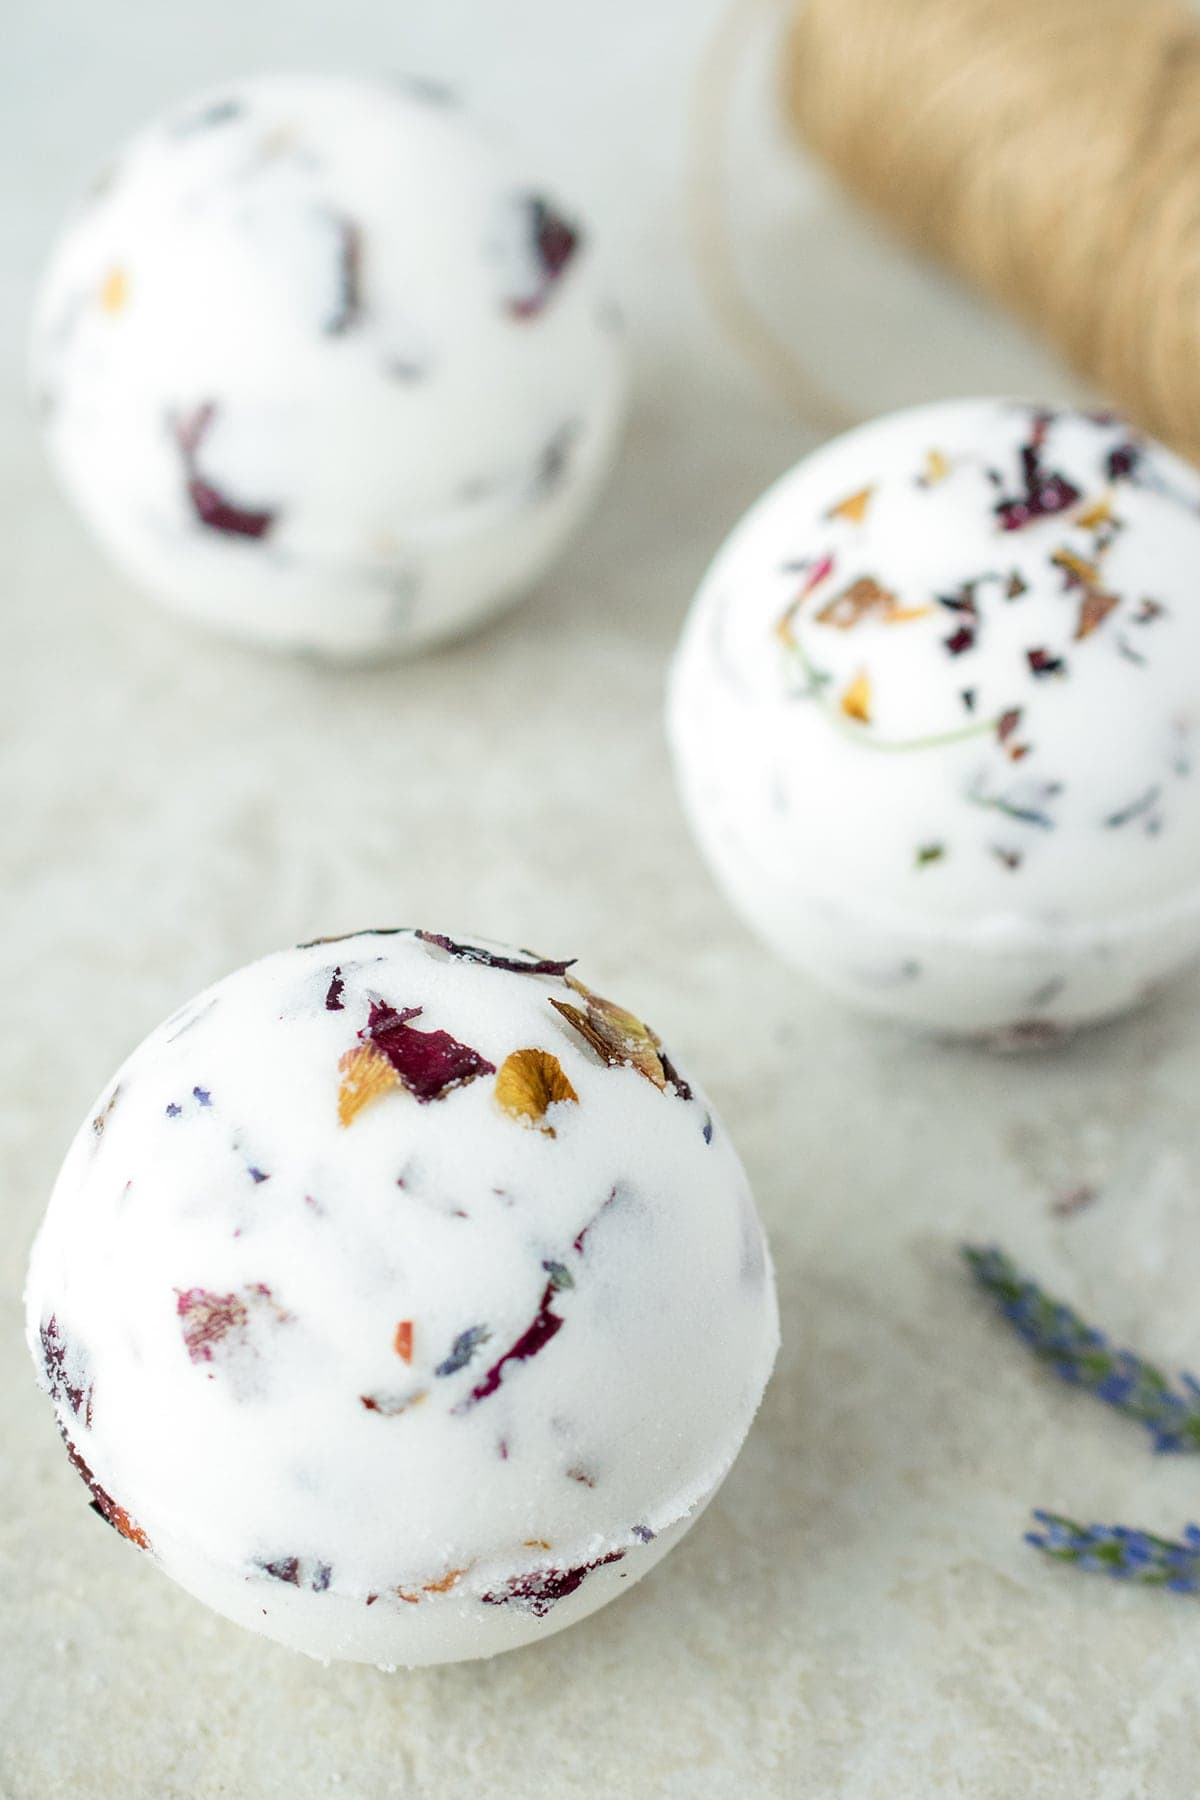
554 242
211 507
475 953
529 1082
103 1503
544 1326
1045 492
66 1371
1041 662
429 1063
538 1591
298 1571
211 1322
333 997
1123 462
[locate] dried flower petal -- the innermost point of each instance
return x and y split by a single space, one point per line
441 1586
618 1036
213 1322
538 1591
429 1063
544 1326
366 1074
854 507
1045 492
402 1342
867 598
463 1349
390 1406
114 293
67 1371
856 701
103 1503
475 953
1094 608
529 1082
937 468
212 508
1098 513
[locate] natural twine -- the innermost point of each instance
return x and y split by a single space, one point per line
1049 150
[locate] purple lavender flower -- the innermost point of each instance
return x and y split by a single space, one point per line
1080 1354
1124 1554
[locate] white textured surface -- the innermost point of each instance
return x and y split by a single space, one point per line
855 1615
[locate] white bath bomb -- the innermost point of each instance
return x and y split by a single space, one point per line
323 366
935 715
402 1299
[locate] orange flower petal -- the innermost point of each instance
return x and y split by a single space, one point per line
856 701
366 1074
528 1083
854 507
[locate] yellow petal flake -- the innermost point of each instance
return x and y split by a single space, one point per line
937 467
1098 513
856 701
1077 566
366 1074
853 507
114 292
528 1083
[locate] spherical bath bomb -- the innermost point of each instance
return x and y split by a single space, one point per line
325 367
402 1299
935 717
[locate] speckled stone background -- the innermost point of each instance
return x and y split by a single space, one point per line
856 1615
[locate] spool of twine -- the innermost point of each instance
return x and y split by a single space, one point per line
1048 150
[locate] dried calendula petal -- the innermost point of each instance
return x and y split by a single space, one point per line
1098 513
529 1082
853 507
867 598
114 292
366 1074
856 701
937 467
616 1035
442 1586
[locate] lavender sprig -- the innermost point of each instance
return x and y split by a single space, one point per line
1126 1555
1080 1354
